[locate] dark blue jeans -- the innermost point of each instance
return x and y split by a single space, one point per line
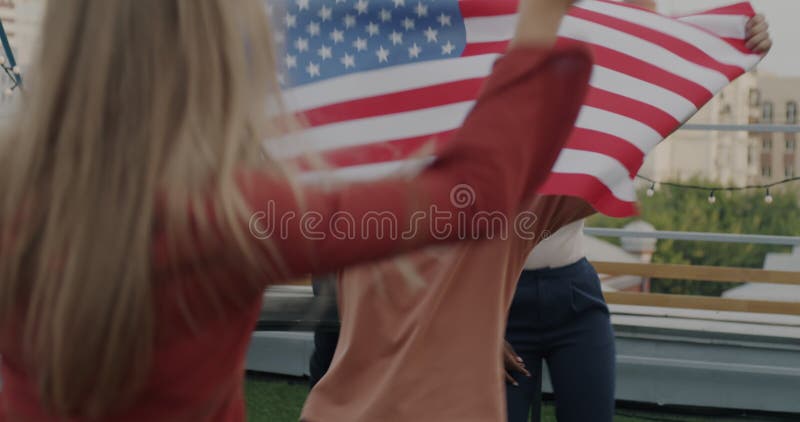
325 339
559 315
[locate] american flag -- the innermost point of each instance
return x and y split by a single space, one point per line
378 79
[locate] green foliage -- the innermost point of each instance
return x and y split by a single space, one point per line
735 212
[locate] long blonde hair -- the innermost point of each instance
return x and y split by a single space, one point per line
129 101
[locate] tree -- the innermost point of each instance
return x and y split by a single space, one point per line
682 209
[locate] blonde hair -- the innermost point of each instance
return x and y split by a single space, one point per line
131 101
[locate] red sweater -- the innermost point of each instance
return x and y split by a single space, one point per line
504 151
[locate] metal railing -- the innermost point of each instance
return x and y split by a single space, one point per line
700 273
743 128
696 236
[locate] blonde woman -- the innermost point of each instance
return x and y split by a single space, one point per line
129 276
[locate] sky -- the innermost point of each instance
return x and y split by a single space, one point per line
783 17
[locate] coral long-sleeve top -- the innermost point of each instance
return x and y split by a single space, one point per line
504 150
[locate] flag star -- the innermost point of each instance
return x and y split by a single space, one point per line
279 37
290 20
281 78
413 51
360 44
337 36
444 20
349 21
302 4
326 53
408 24
396 37
421 9
398 3
312 69
301 44
372 29
291 61
383 55
361 6
448 48
313 29
432 35
386 15
340 1
348 61
325 13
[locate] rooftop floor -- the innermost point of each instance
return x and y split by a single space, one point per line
280 399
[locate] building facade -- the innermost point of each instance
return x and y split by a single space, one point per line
728 158
777 99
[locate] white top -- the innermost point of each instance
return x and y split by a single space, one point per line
563 248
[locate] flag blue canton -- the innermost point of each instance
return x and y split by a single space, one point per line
322 39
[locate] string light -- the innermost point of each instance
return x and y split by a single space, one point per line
651 190
712 198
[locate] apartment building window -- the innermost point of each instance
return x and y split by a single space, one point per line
766 171
767 112
791 141
791 112
788 171
750 155
755 97
766 142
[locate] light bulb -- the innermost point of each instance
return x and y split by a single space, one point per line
17 70
8 92
2 59
711 198
768 198
651 190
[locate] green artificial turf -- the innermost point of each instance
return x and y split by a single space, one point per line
271 400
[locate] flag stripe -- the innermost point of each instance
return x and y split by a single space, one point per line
637 133
648 22
617 148
474 8
386 81
653 117
741 9
726 26
657 96
397 102
597 34
590 189
654 75
478 48
607 170
490 29
370 130
675 45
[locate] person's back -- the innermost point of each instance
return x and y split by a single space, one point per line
430 352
